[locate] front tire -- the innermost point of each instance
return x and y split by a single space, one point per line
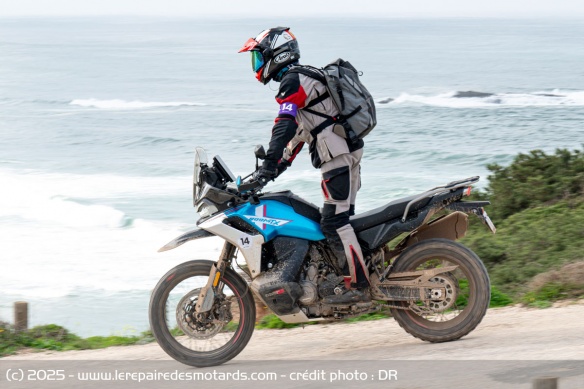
472 286
190 342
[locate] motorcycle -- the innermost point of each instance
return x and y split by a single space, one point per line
203 312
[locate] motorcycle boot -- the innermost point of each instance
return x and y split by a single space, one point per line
346 293
340 183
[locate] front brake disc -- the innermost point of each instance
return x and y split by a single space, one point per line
192 326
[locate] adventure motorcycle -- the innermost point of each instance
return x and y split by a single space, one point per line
202 312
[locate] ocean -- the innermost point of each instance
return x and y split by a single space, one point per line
100 117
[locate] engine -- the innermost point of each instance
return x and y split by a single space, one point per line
297 276
318 279
318 283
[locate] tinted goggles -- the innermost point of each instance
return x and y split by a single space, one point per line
257 60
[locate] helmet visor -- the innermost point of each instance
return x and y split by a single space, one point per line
257 60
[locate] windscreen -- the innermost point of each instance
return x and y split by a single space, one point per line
200 160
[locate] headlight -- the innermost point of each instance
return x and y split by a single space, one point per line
201 193
206 208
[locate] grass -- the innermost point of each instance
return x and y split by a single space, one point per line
57 338
531 242
499 299
272 321
552 286
368 317
538 207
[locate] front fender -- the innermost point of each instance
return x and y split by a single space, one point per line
191 235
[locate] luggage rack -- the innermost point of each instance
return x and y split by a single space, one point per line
451 186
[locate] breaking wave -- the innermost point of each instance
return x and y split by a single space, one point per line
474 99
73 200
123 104
65 234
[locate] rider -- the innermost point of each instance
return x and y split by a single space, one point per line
274 52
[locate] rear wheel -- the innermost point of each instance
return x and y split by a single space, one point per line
206 339
459 301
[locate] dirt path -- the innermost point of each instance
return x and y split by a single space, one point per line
511 333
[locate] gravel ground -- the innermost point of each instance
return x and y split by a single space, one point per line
511 333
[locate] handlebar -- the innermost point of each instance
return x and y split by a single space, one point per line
250 186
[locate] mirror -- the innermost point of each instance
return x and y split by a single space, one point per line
259 152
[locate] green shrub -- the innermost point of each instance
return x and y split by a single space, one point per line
535 179
529 243
538 207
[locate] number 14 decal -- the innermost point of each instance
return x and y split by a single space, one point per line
245 241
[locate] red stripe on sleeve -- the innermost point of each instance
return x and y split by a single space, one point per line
298 98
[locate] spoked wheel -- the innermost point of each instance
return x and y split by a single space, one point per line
205 339
458 302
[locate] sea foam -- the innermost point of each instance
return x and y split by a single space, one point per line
123 104
59 234
457 99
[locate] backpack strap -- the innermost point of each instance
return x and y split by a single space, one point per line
353 112
309 71
318 129
316 74
317 100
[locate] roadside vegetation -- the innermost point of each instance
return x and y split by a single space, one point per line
536 257
57 338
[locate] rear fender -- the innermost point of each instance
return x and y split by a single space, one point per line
474 207
467 206
187 236
452 227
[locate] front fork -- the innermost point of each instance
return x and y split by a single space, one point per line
209 291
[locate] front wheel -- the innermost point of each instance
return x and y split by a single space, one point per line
201 340
465 299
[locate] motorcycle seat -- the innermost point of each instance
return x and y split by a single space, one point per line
363 221
385 213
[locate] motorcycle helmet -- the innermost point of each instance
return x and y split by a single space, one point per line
271 51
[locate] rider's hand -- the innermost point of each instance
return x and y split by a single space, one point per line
282 166
263 176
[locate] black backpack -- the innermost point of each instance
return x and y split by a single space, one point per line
357 115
